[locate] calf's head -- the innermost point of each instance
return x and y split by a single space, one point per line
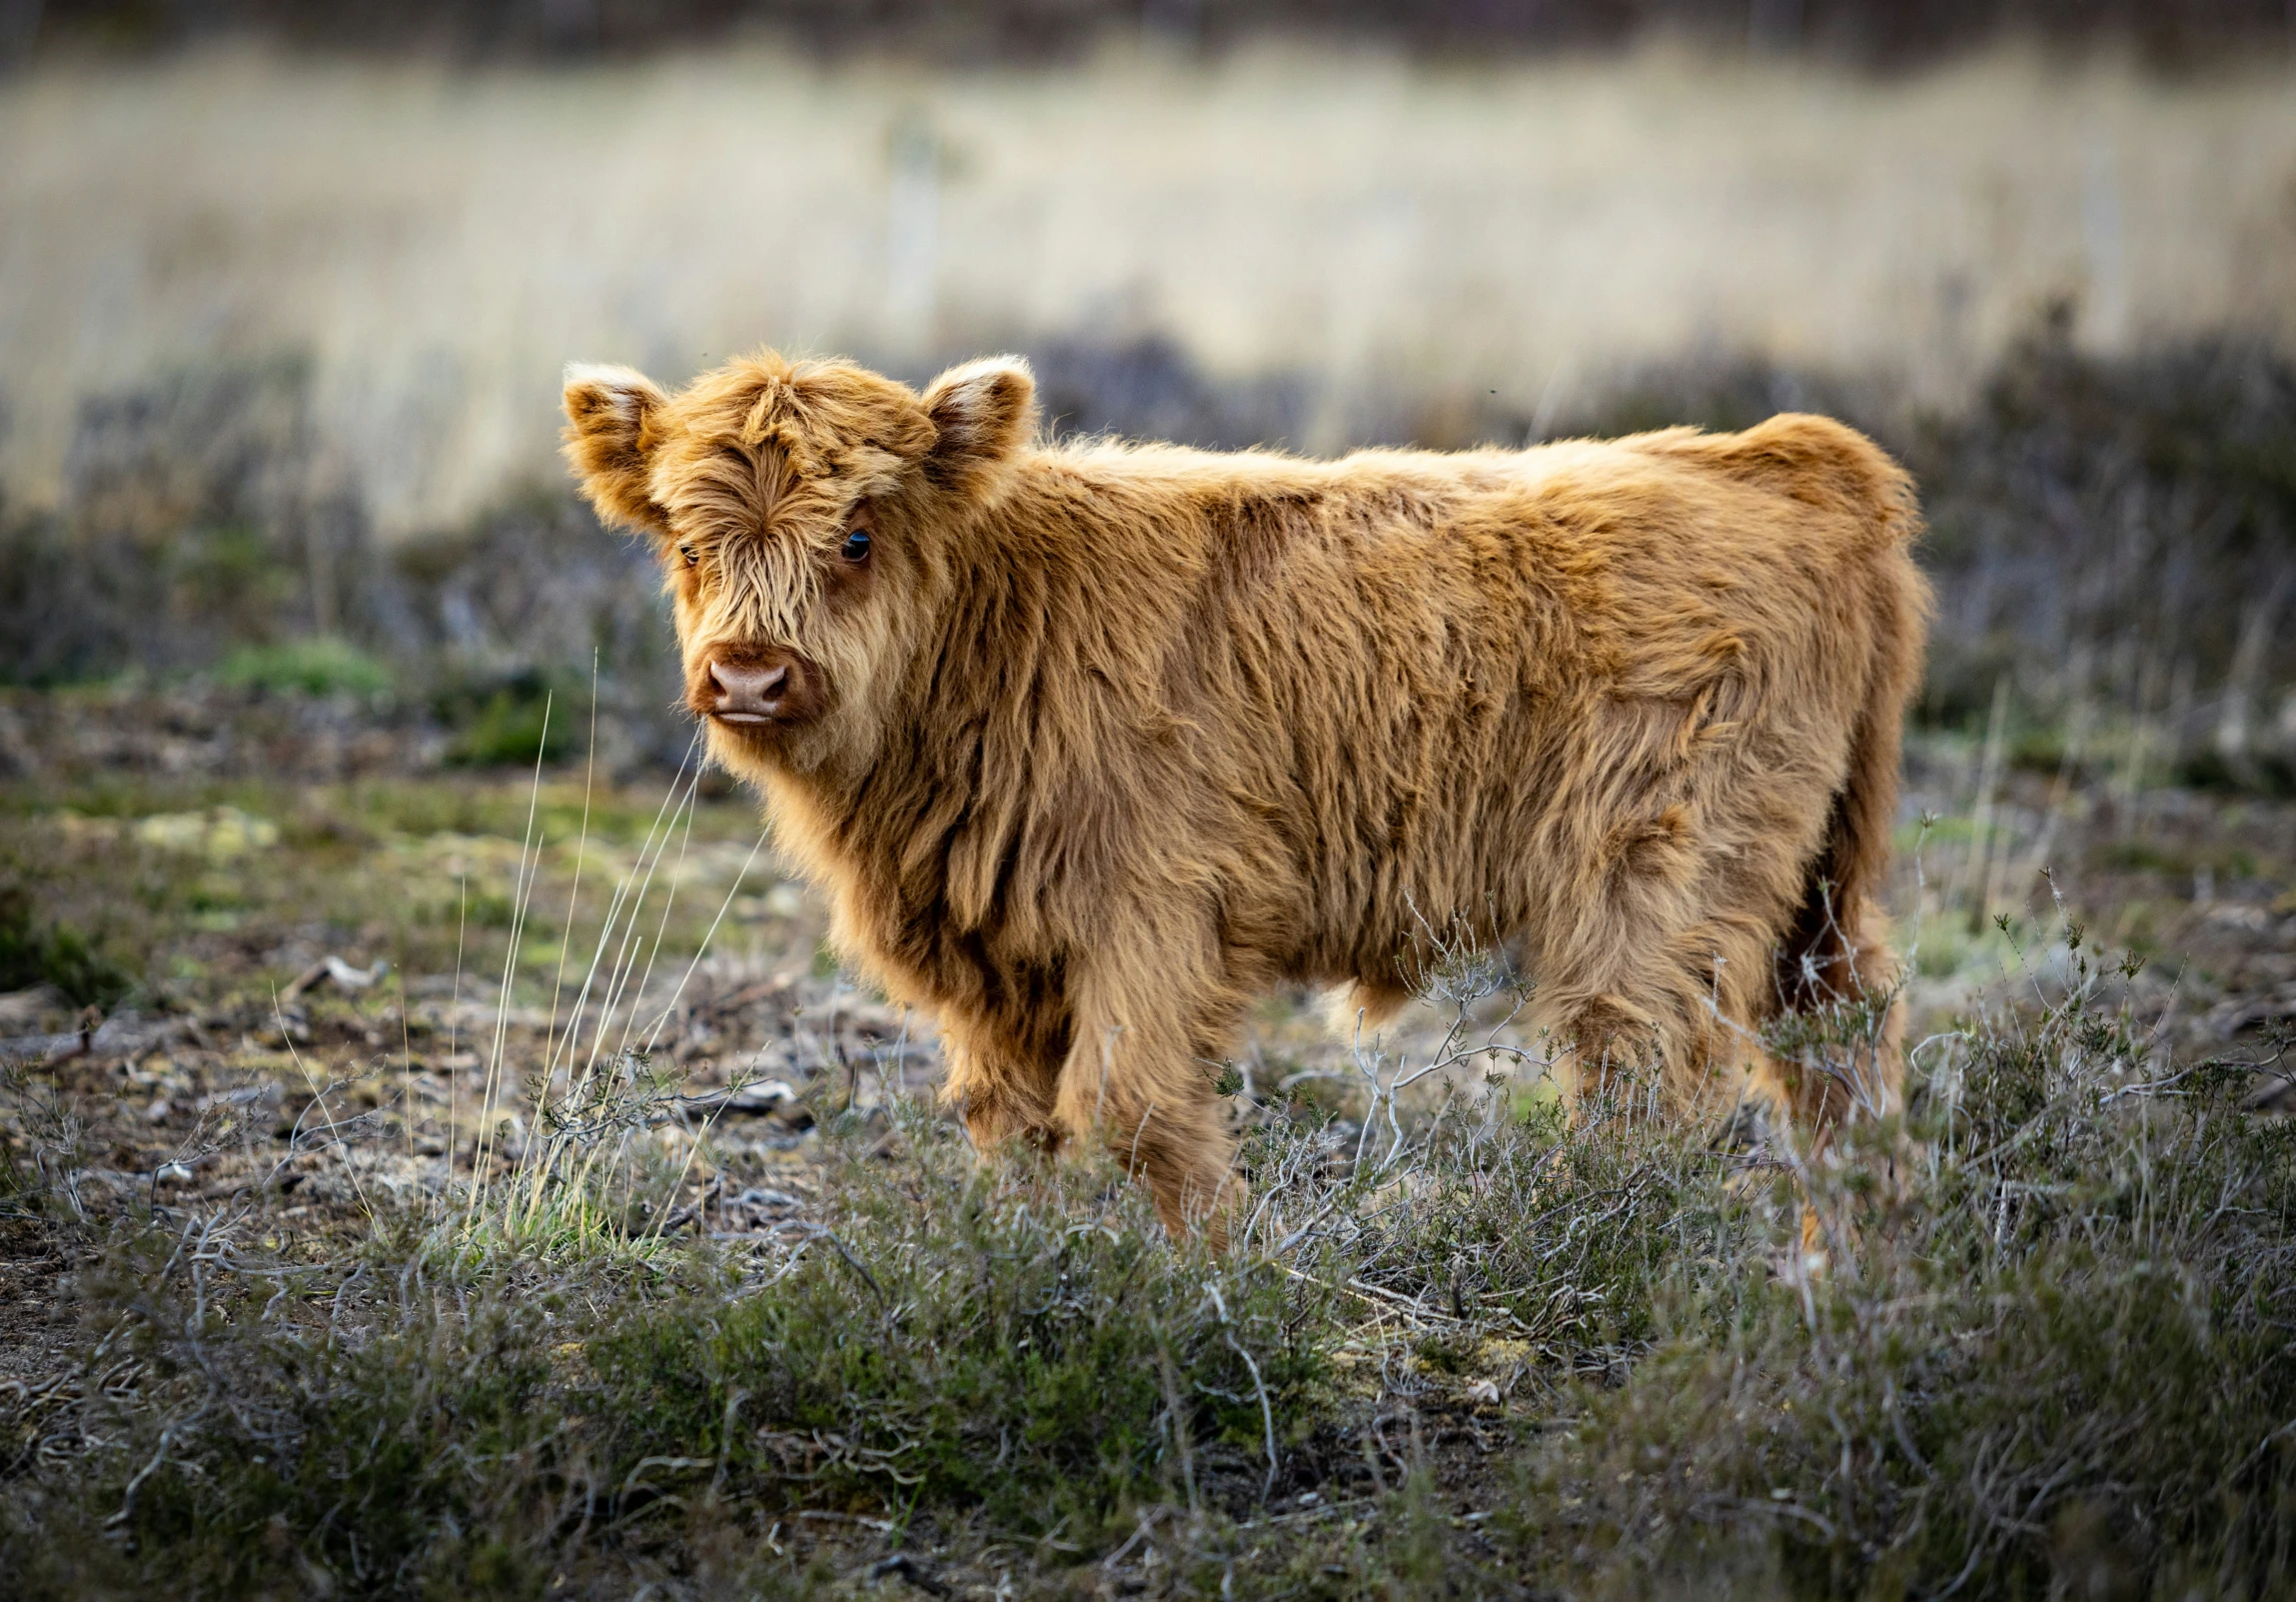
805 515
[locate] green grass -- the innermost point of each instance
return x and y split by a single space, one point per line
512 722
1026 1350
1047 1361
407 871
2058 1343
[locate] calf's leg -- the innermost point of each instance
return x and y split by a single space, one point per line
1680 1000
1007 1088
1152 1018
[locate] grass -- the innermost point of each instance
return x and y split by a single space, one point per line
407 871
592 1235
2035 1331
2061 1346
446 1404
505 723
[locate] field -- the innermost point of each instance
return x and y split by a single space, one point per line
402 1215
1345 244
437 1156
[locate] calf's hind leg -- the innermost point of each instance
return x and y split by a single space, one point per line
1681 1000
1849 971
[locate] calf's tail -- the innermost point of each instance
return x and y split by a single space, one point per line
1836 949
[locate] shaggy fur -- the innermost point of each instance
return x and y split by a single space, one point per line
1096 740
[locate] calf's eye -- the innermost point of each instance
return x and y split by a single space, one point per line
686 552
856 546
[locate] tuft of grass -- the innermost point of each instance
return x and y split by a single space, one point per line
54 954
1030 1348
315 665
510 722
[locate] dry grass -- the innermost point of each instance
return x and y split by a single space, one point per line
1389 240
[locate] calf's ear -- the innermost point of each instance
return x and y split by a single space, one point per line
982 412
612 418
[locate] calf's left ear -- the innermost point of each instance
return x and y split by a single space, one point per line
982 412
612 414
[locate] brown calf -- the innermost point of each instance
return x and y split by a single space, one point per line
1088 742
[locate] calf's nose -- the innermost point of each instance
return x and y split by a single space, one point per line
743 694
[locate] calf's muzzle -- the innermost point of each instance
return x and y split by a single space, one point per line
756 687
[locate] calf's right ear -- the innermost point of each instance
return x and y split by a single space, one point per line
981 414
613 427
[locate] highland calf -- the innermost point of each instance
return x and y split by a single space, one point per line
1088 742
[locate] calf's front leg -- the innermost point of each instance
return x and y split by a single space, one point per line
1152 1019
1007 1084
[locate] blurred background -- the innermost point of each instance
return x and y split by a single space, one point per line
284 290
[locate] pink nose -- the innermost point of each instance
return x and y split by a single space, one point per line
747 693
